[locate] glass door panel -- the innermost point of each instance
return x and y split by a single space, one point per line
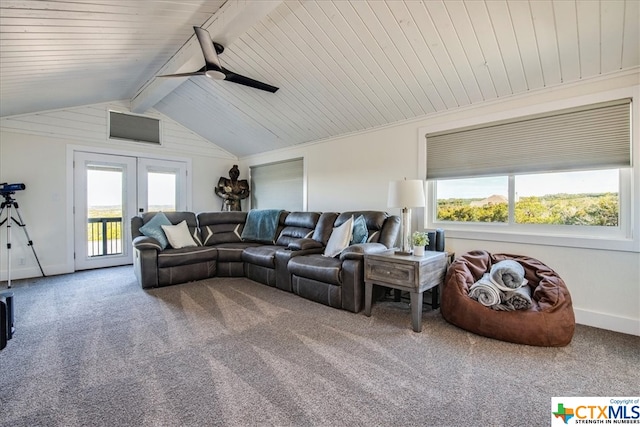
161 191
104 201
162 185
105 209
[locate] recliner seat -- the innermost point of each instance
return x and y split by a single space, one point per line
338 282
260 261
154 267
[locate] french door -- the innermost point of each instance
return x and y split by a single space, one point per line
108 191
162 185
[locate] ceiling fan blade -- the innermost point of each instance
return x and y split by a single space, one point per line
208 50
214 70
195 73
237 78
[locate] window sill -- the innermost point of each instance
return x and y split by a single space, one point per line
584 242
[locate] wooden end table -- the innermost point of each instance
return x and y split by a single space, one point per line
406 273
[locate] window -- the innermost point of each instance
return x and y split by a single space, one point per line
161 191
583 198
473 199
560 174
589 198
278 186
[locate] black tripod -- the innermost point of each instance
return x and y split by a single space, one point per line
10 202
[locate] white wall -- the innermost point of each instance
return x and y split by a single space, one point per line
34 149
353 172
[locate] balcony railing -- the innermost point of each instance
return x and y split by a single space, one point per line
105 236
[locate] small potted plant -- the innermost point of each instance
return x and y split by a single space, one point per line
420 239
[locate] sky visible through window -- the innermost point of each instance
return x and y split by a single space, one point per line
105 188
602 181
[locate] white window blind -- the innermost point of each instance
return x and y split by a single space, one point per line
593 136
277 185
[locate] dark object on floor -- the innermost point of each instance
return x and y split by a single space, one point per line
550 321
6 318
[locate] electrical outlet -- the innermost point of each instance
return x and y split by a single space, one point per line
22 261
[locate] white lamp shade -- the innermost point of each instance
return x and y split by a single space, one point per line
406 194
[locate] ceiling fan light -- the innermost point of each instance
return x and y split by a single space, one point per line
215 75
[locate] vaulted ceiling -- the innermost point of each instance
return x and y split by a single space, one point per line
341 66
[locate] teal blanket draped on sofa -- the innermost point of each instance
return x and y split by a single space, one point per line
261 225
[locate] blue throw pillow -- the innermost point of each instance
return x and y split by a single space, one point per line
360 232
154 229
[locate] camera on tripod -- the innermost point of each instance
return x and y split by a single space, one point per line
11 205
6 189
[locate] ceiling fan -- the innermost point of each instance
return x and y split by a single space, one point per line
214 70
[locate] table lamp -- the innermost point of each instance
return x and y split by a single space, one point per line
406 194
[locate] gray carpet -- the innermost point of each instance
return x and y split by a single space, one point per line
93 349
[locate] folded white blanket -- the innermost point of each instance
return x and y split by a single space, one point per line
507 275
485 291
499 297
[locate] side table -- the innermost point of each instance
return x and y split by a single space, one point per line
406 273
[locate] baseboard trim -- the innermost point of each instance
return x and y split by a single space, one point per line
607 321
33 271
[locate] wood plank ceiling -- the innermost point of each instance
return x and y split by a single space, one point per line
342 66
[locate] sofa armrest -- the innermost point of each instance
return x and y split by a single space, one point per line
305 244
359 250
145 266
145 242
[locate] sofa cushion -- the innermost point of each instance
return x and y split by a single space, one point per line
178 235
324 227
221 227
153 228
317 267
261 255
339 239
375 221
297 225
382 227
186 256
232 252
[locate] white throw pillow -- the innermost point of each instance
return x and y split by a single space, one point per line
339 239
178 235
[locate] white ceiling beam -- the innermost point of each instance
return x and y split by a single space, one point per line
232 20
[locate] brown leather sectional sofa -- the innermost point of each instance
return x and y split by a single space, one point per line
293 263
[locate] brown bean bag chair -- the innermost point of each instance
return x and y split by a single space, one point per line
549 322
